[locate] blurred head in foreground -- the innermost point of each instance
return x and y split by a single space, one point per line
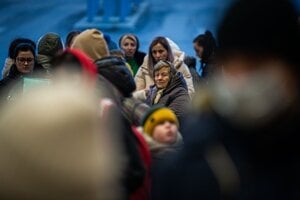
259 50
53 146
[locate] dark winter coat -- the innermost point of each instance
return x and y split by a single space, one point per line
115 79
139 57
175 96
14 81
223 161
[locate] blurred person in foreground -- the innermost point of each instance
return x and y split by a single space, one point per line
113 75
78 69
241 140
54 146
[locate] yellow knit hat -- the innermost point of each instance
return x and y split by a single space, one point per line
92 43
157 115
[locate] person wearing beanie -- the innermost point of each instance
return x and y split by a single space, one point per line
160 129
47 47
92 43
159 126
244 143
158 115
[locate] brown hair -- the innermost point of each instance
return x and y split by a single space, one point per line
164 42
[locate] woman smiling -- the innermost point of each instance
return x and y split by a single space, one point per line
169 89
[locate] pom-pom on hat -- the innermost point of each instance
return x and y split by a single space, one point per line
156 115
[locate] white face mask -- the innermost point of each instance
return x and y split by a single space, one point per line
253 100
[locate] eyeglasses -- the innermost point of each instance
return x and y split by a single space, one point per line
23 60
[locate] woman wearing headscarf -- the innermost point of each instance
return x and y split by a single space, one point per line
169 89
130 44
160 49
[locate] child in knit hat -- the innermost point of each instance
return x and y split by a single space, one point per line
160 129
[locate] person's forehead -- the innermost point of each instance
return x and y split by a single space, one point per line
163 69
25 52
129 39
158 46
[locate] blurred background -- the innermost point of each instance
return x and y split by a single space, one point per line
180 20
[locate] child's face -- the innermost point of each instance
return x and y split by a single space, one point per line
165 132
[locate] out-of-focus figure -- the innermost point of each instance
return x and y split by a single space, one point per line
241 139
48 46
54 146
205 47
70 38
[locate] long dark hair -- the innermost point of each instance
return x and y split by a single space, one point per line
164 42
208 42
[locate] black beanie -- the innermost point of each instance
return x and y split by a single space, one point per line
114 69
260 28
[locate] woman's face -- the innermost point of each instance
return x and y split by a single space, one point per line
129 47
25 61
162 77
165 132
198 50
159 52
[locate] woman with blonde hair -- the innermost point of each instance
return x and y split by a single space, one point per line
130 44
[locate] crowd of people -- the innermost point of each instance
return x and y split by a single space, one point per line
88 118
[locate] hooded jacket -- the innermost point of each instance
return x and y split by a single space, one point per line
175 96
144 79
92 43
